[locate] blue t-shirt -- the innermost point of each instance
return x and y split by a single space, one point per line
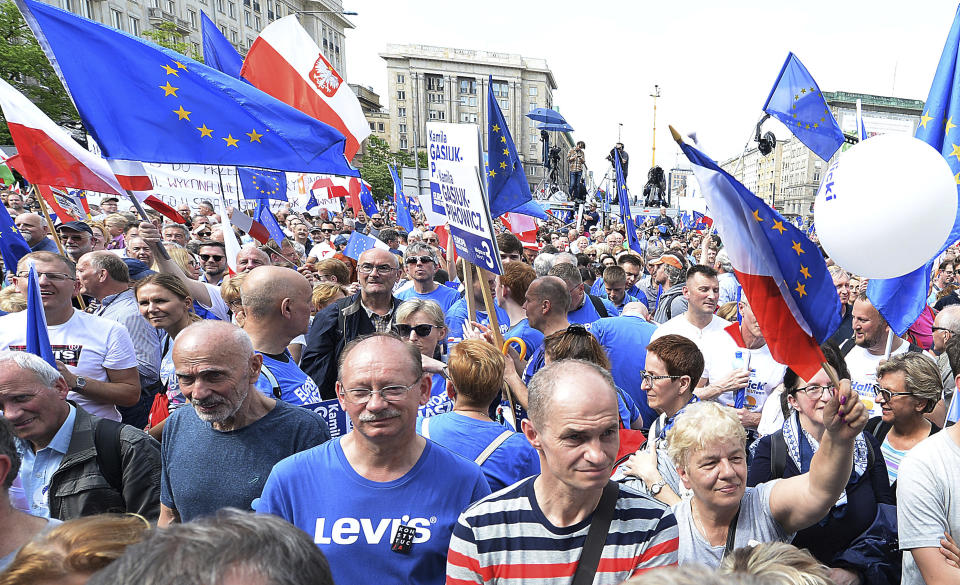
598 290
444 296
513 460
353 520
439 401
587 313
296 387
205 470
458 312
528 334
627 298
534 364
625 339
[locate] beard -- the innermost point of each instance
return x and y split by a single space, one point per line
223 408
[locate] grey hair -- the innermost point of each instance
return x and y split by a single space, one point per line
179 226
8 447
114 265
565 258
567 272
420 249
210 327
544 383
723 260
427 306
243 545
950 318
44 372
921 377
543 263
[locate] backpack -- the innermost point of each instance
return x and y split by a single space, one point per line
106 441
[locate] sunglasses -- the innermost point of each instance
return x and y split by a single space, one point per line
421 330
420 259
204 234
208 257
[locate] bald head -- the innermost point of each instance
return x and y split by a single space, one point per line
378 256
561 383
553 289
251 257
32 227
264 289
635 309
379 347
211 335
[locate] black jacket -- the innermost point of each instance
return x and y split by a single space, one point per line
332 329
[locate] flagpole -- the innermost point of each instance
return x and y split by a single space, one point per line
56 236
143 215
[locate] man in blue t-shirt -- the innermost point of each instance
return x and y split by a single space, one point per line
546 303
219 453
584 308
455 317
421 262
390 498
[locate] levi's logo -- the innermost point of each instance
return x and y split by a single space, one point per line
325 77
350 530
68 354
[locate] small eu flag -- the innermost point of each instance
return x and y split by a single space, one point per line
266 218
796 101
263 184
12 245
628 224
38 339
507 186
217 50
402 203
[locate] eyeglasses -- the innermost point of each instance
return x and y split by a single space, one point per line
51 276
388 393
420 259
650 377
326 277
431 240
888 395
816 391
325 231
935 329
421 330
380 268
208 257
204 234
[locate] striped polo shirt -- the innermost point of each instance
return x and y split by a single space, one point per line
506 539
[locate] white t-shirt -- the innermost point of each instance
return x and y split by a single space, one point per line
704 338
765 373
863 374
88 345
928 498
217 305
322 251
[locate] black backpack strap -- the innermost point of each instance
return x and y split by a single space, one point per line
106 440
274 385
778 455
596 536
599 306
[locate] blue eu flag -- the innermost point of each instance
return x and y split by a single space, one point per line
366 200
631 227
796 101
402 203
145 103
507 186
38 340
12 245
358 244
901 300
217 50
263 184
262 213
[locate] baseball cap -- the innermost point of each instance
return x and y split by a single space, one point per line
341 240
137 268
669 259
315 229
110 200
77 226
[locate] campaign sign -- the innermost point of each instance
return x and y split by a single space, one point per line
337 419
455 166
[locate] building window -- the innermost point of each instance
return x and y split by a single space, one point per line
116 18
504 104
401 95
468 86
246 17
233 9
533 106
234 36
193 19
401 112
402 128
499 89
434 83
220 8
379 126
468 118
400 78
196 49
372 126
432 114
257 22
533 91
134 26
171 7
442 115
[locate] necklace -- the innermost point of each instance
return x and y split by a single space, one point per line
699 525
482 413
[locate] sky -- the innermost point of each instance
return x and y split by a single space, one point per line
715 62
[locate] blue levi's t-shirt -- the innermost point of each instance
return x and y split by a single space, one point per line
444 296
353 520
296 387
440 402
513 460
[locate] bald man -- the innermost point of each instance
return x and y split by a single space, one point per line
371 310
276 308
218 453
34 230
250 257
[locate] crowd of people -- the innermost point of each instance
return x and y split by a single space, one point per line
313 417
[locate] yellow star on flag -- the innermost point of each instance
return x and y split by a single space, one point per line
924 119
796 97
796 248
815 125
170 70
495 128
182 114
503 139
180 65
254 136
778 225
506 152
756 215
803 90
231 141
804 271
801 289
948 125
956 151
492 173
169 90
807 126
204 131
957 178
503 165
812 90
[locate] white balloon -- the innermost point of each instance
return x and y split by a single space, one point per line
886 206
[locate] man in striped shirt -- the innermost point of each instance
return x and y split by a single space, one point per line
534 531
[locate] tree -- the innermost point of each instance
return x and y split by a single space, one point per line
24 66
374 169
168 36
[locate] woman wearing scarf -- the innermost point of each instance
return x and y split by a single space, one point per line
789 453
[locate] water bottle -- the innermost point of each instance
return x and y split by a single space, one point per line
739 363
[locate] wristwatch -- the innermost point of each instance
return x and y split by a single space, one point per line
655 488
80 384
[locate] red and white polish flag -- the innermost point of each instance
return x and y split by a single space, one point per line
287 64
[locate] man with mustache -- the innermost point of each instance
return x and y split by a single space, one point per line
381 501
232 428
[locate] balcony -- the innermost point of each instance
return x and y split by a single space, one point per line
156 16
